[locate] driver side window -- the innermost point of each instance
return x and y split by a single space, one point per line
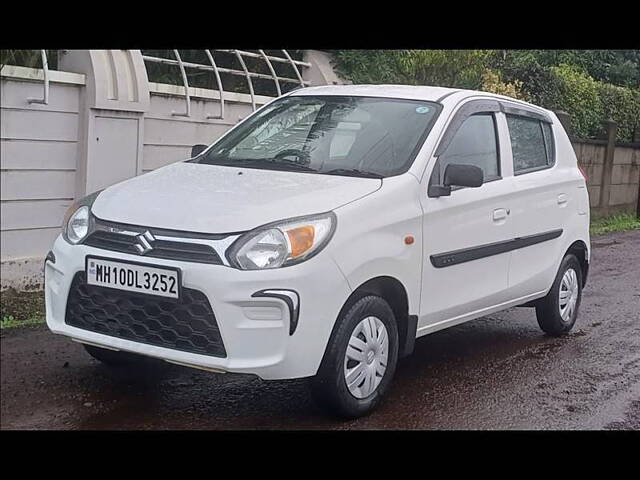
475 143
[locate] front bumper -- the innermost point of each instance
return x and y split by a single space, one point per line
255 329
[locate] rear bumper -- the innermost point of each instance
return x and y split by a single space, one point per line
255 330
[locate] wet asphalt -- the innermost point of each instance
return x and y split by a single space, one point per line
497 372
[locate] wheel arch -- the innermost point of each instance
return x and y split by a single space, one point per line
580 250
395 294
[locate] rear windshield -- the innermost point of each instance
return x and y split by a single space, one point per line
359 136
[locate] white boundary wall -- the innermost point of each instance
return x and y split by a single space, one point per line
104 123
39 149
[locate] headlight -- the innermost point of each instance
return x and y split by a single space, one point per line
78 225
77 219
283 243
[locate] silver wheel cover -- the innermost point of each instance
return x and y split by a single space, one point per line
568 296
365 361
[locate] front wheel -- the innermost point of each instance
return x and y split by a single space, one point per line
558 311
360 359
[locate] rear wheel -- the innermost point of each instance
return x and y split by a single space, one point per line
112 357
558 311
360 359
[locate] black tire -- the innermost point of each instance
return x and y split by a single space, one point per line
548 308
329 387
111 357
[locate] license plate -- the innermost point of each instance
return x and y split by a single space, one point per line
133 277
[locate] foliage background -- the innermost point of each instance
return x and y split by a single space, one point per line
590 85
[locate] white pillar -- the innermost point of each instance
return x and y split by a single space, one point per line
111 117
321 71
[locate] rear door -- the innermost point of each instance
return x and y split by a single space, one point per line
463 272
543 204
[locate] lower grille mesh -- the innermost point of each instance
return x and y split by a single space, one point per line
188 324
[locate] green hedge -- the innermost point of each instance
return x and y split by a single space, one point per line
589 102
623 106
577 94
370 66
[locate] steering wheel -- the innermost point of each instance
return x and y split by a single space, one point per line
299 154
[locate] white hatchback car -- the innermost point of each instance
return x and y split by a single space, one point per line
324 233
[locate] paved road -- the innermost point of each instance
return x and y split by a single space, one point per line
498 372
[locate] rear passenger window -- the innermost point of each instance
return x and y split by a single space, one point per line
531 144
474 144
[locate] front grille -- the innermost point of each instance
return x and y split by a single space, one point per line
125 238
170 250
188 325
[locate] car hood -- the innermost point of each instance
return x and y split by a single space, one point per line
219 199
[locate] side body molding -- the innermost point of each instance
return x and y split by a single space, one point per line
455 257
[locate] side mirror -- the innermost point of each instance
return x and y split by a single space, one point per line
198 149
457 175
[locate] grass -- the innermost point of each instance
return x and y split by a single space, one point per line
9 322
21 309
616 223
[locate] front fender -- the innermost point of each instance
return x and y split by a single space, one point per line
370 239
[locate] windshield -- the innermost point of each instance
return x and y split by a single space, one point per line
360 136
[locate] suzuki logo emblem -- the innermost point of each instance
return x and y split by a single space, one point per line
144 242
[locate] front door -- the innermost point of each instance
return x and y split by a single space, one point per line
464 270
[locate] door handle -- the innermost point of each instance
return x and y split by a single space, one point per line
500 214
563 199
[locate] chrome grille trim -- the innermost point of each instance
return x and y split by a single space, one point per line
164 243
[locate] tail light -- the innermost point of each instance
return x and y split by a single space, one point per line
586 178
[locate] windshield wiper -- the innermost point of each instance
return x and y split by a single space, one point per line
265 162
283 164
352 172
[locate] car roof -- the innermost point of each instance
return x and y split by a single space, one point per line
390 91
409 92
